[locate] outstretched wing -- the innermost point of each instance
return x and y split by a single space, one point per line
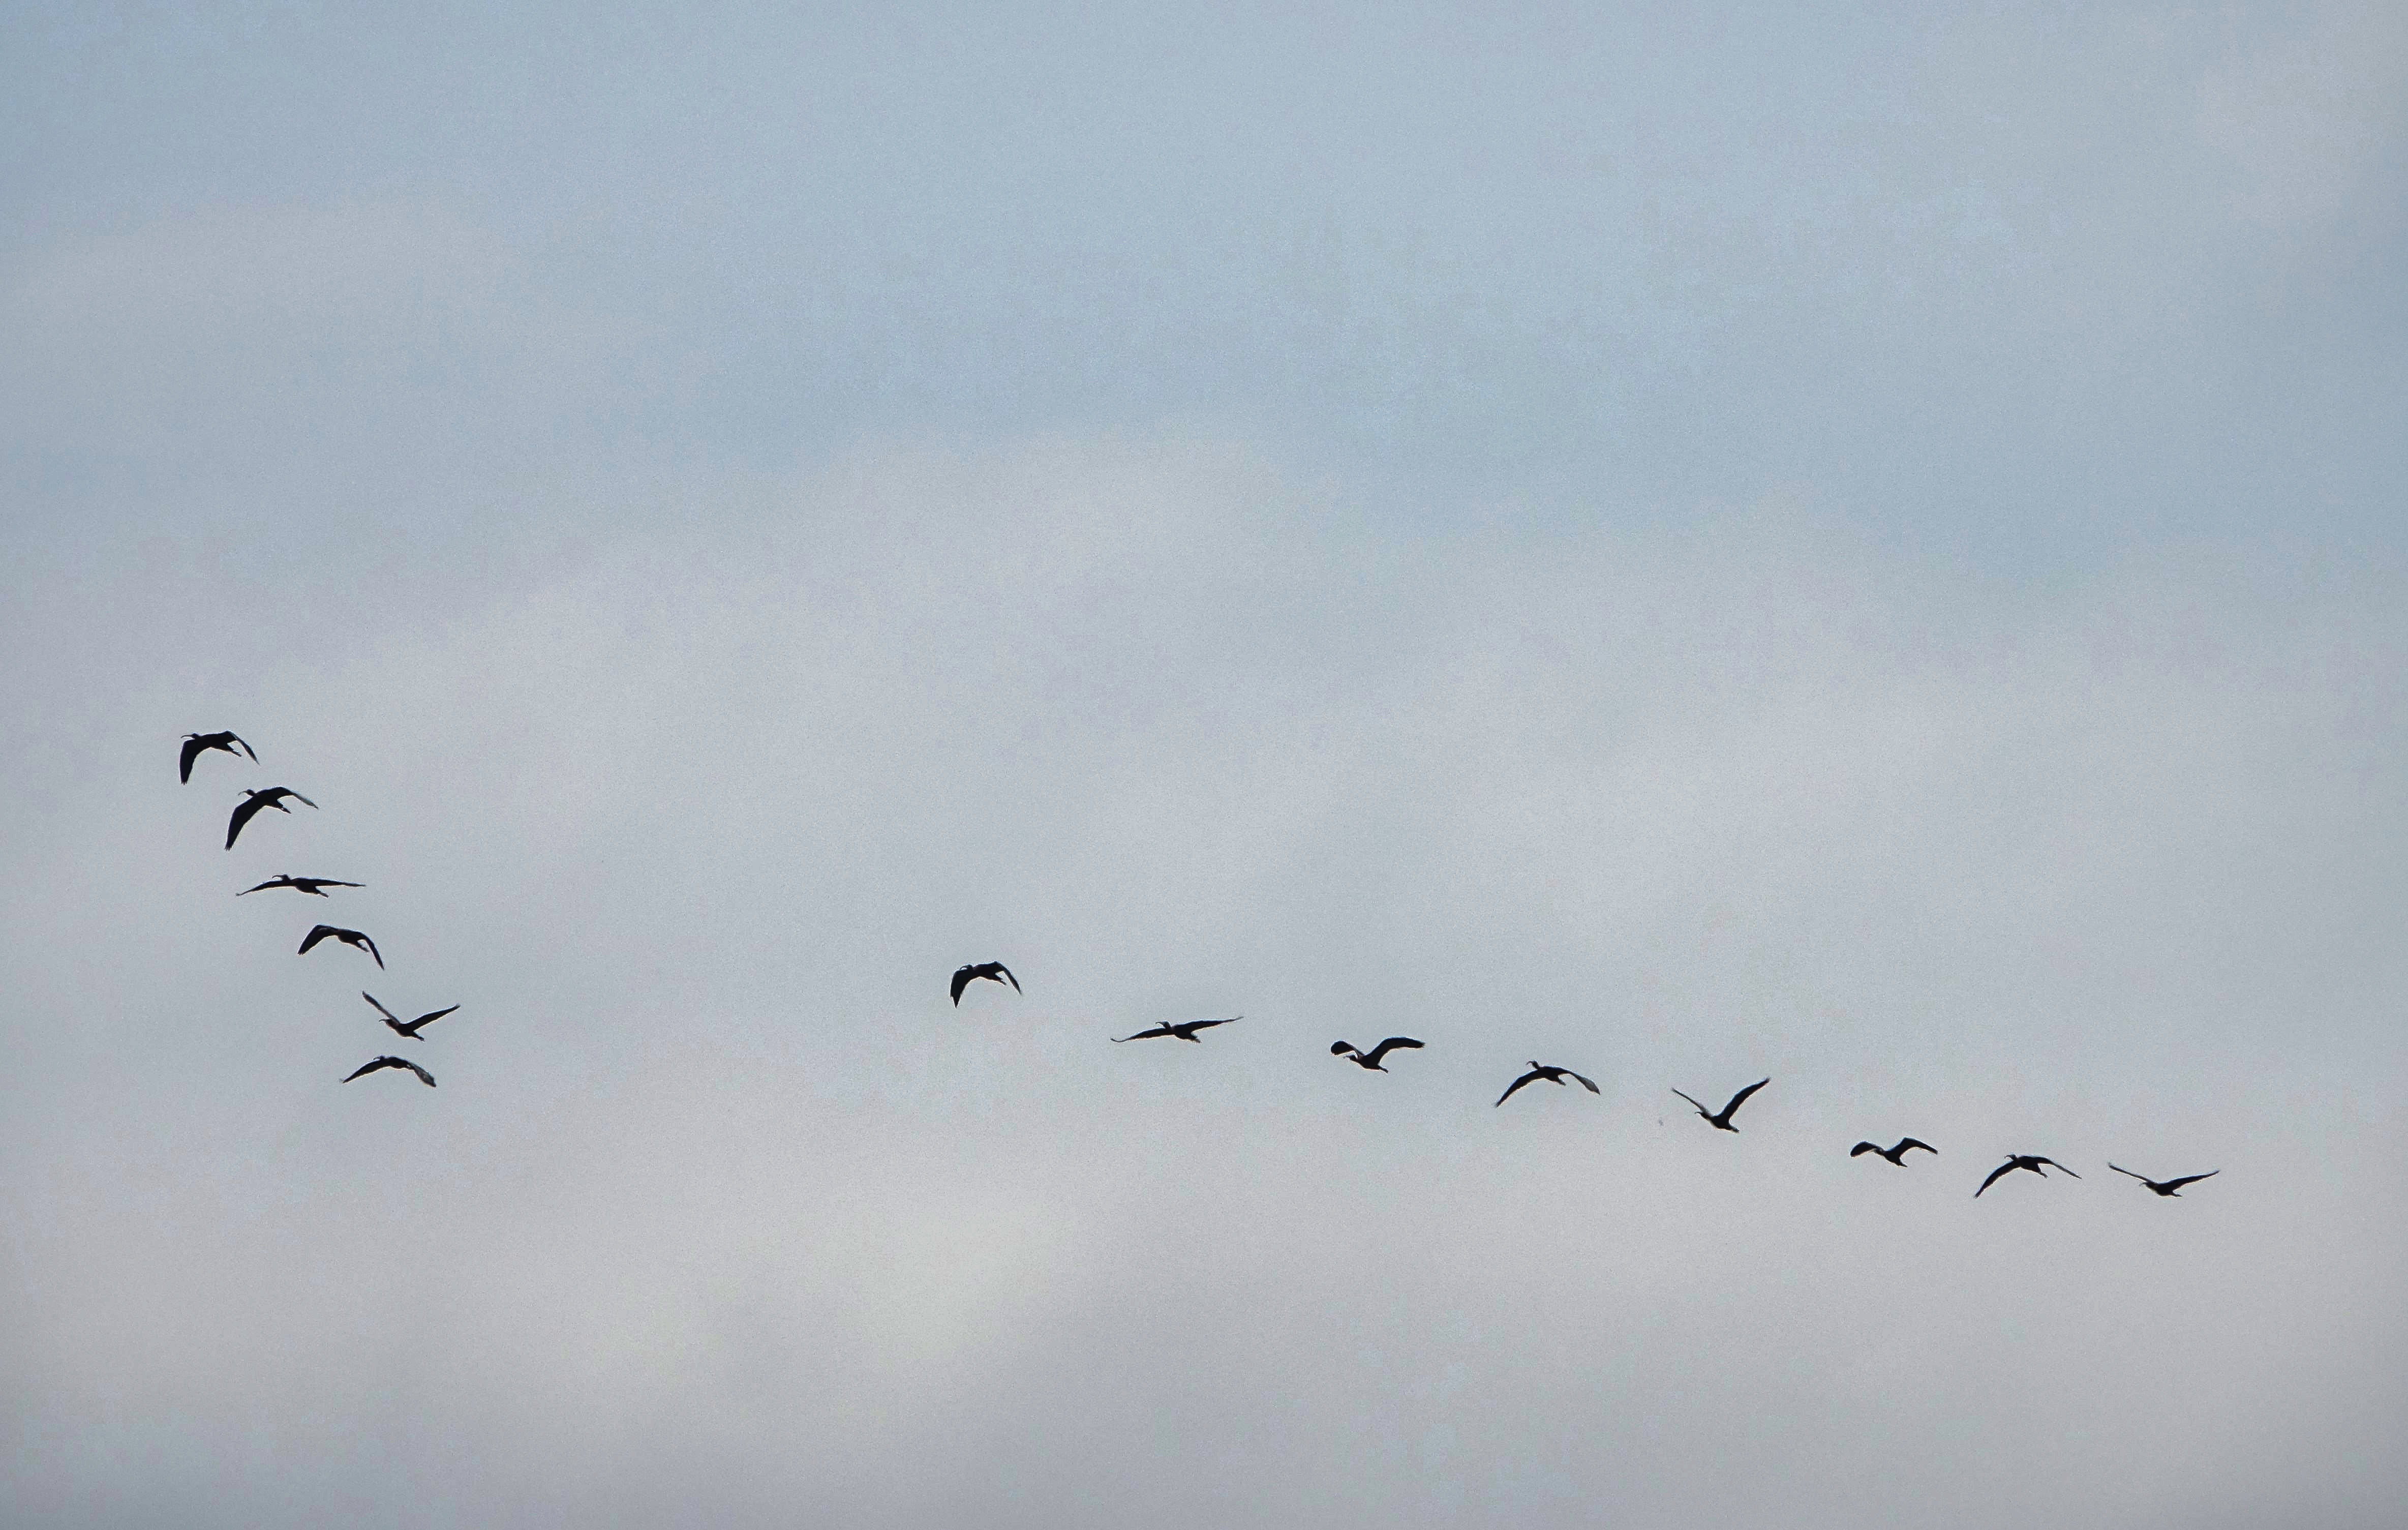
246 749
298 797
192 748
316 934
1008 978
429 1020
2191 1180
424 1077
244 812
2007 1167
390 1017
1741 1098
372 950
1392 1043
1862 1149
371 1067
1905 1143
1517 1084
1584 1083
271 882
1701 1110
1147 1036
2055 1165
1194 1025
962 976
2142 1177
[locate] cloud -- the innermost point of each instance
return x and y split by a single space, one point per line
2312 122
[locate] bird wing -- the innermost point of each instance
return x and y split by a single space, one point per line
1206 1025
1904 1143
271 882
184 766
1701 1110
244 812
391 1018
372 950
2055 1165
1741 1098
1862 1149
961 980
1585 1083
1147 1036
371 1067
1008 978
2142 1177
316 934
2191 1180
298 797
1517 1084
424 1077
1392 1043
246 749
430 1019
2002 1168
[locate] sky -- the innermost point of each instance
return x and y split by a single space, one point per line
1860 548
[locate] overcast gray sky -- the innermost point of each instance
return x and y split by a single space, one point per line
1863 549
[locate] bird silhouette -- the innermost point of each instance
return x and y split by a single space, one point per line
1722 1121
349 937
393 1020
2169 1186
1184 1031
2022 1161
993 972
1540 1070
195 745
424 1077
1371 1059
1895 1155
315 886
252 801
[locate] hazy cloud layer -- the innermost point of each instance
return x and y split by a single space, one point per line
1863 553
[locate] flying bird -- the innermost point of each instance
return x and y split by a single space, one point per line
2169 1186
315 886
195 745
424 1077
252 801
1895 1155
2022 1161
1184 1031
1722 1121
993 972
393 1020
349 937
1371 1059
1539 1069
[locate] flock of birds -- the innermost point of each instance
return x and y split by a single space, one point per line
256 801
253 804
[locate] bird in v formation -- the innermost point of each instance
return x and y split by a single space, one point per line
2167 1186
1895 1155
1551 1073
424 1077
1184 1031
1371 1059
197 745
993 972
253 802
413 1027
314 886
1721 1119
2023 1161
352 938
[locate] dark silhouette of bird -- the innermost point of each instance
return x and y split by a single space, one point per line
393 1020
2022 1161
349 937
315 886
1184 1031
197 744
1371 1059
1895 1155
252 801
424 1077
1539 1069
1722 1121
2169 1186
993 972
